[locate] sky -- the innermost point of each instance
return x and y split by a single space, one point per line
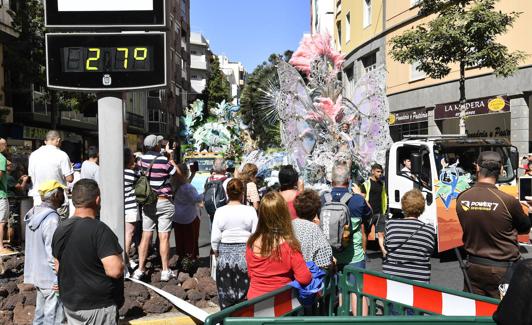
250 30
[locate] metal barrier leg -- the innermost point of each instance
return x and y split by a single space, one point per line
386 308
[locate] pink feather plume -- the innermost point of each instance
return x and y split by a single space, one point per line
331 109
313 46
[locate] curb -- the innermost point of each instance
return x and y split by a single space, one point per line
182 320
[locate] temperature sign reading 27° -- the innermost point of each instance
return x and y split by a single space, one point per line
106 61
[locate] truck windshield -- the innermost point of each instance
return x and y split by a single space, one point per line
204 164
459 160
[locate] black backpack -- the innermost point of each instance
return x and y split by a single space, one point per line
214 196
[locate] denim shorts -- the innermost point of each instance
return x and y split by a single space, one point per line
359 264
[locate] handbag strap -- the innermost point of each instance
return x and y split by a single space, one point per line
406 241
149 168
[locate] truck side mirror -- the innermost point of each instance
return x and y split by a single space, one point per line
415 159
514 158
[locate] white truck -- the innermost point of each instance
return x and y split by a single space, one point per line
442 167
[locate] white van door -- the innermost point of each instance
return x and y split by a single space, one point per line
401 180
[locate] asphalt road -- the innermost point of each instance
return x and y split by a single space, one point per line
445 269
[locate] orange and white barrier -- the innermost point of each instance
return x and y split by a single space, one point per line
431 300
274 306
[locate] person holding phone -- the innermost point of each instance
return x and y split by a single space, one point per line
186 217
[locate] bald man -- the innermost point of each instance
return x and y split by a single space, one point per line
49 163
4 203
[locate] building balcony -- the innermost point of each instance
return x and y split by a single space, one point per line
76 116
6 20
197 86
135 120
198 64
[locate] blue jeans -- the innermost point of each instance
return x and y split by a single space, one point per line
49 309
359 264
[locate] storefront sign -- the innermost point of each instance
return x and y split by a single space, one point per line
482 126
473 107
410 116
133 141
495 133
34 133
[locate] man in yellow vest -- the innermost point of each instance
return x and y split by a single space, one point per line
375 193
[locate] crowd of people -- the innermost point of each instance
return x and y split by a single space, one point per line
260 241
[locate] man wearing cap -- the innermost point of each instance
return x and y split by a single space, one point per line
90 168
491 221
49 163
161 213
41 223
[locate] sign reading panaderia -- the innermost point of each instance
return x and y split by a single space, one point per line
473 107
104 13
106 61
409 116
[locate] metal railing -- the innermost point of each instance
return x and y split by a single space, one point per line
417 320
392 295
279 303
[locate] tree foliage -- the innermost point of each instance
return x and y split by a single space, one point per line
217 88
254 107
25 60
24 56
463 32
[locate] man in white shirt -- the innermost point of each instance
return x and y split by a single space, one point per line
90 168
49 163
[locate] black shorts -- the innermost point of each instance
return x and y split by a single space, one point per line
380 222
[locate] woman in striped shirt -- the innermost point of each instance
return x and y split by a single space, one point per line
409 242
131 207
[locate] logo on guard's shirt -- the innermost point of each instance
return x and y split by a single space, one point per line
479 205
465 205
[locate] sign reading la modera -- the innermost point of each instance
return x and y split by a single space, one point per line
473 107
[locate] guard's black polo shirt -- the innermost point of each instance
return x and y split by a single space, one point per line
491 220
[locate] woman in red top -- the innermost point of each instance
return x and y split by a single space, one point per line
273 253
290 187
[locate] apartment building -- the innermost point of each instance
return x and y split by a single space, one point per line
164 106
234 73
497 107
358 34
322 17
200 53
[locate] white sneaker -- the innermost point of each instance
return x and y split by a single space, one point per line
167 275
137 275
132 264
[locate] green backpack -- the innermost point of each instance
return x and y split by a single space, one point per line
144 194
